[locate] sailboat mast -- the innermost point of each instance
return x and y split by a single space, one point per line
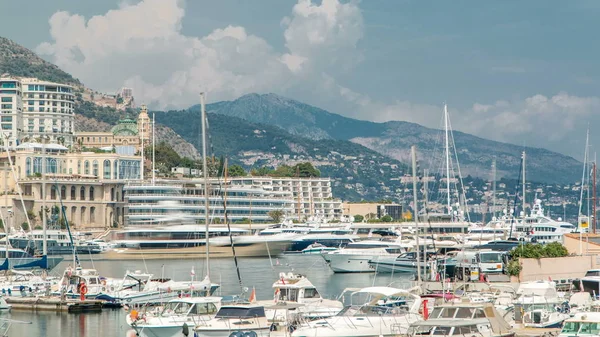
594 195
524 184
413 151
206 182
153 148
494 188
447 150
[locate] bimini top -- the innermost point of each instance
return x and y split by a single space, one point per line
241 311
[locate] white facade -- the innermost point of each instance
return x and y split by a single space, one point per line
11 109
48 111
312 197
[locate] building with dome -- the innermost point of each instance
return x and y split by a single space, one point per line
124 138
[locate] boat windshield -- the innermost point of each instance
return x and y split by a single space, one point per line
490 257
593 273
240 312
581 328
457 312
369 310
176 308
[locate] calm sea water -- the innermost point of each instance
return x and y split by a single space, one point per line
257 272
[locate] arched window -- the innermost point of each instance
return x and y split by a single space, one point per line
112 194
95 168
91 193
63 192
116 169
79 167
73 192
106 169
28 166
37 165
50 165
82 193
53 192
86 167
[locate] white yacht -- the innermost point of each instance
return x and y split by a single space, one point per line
590 282
169 321
374 318
355 257
540 228
464 320
184 241
296 288
235 318
538 305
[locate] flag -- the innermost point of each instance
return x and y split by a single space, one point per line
282 280
275 295
252 298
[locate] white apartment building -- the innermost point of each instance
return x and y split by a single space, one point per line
11 108
312 197
48 111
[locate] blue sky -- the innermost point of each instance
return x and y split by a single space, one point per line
525 72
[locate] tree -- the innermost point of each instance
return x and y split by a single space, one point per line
31 215
261 171
276 215
370 216
236 171
306 170
284 171
25 226
533 251
387 218
358 218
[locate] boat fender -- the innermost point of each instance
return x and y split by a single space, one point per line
236 334
273 327
250 334
112 288
133 315
103 289
185 330
291 329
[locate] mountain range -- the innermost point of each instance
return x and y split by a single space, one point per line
364 159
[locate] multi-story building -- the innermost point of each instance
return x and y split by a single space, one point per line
312 197
89 185
11 109
48 111
249 198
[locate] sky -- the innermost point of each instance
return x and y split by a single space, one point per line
524 72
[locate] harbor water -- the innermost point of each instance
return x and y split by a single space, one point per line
257 273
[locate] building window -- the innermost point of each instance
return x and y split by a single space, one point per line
63 193
6 119
106 169
53 192
91 193
92 214
50 165
73 192
82 193
79 167
37 165
115 169
6 126
28 166
86 167
7 99
95 168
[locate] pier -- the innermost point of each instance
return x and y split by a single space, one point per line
53 304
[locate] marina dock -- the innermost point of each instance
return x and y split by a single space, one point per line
53 304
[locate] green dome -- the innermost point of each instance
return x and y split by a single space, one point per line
125 127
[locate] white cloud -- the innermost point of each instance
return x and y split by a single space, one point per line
141 46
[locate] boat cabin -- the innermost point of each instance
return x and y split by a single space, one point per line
295 288
195 306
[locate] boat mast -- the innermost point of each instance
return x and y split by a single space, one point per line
413 150
524 185
594 195
153 148
142 148
579 220
447 150
494 188
206 187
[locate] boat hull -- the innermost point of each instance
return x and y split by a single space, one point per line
346 263
53 261
261 249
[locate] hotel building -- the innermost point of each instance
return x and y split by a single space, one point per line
249 198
